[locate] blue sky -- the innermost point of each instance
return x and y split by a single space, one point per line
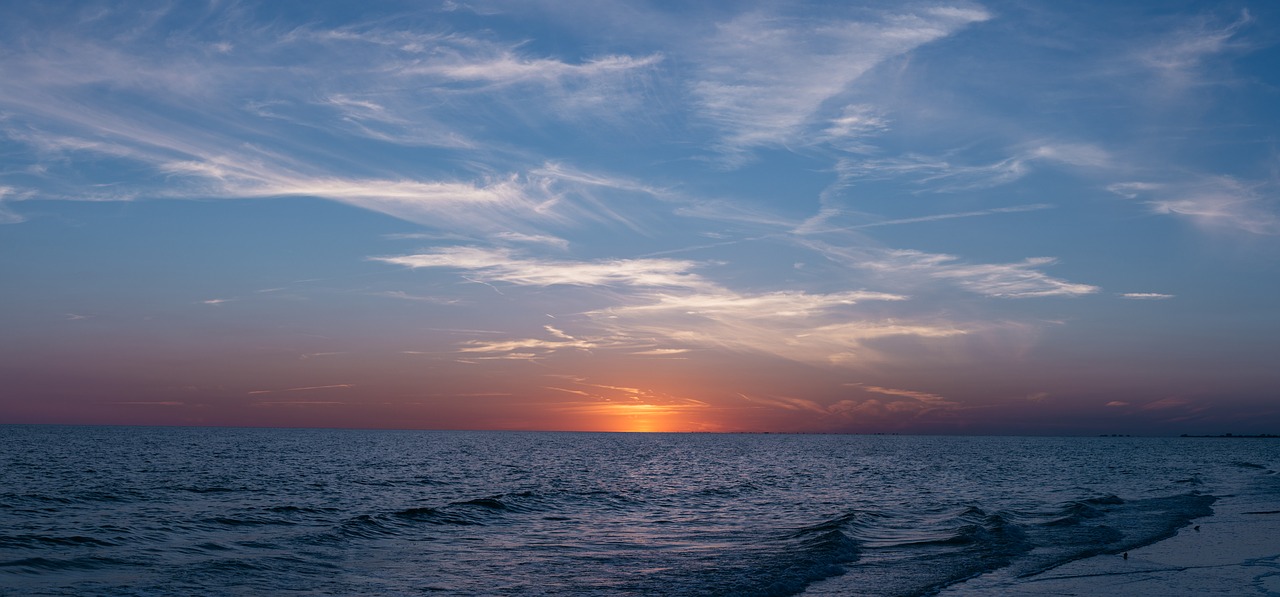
934 217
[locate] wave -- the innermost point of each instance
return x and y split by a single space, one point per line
247 521
930 550
37 541
776 567
1111 526
481 511
43 564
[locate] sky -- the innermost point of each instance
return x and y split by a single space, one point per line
870 217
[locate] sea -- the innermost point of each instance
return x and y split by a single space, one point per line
221 511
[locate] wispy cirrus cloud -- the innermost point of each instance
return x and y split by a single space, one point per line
782 304
892 404
339 386
812 228
925 397
945 175
1214 202
7 216
661 306
766 78
505 265
227 117
1180 55
821 329
1146 296
507 68
523 348
1018 280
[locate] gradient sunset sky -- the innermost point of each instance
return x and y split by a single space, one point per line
998 217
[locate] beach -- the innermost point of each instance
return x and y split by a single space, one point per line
1236 551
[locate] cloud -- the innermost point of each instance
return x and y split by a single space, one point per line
504 265
782 304
765 78
1146 296
1166 403
855 122
528 349
1179 55
788 403
925 397
539 239
900 403
943 175
662 307
999 280
340 386
659 352
814 328
412 70
1004 280
507 68
811 229
7 216
273 111
1213 202
402 295
1131 190
513 207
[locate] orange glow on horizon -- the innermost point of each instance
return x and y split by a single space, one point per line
637 417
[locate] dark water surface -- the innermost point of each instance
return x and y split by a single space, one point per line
186 511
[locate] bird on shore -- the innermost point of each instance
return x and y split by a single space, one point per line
1197 528
1126 555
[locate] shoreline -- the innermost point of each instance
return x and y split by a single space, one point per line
1234 551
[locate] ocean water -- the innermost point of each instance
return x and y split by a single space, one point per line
205 511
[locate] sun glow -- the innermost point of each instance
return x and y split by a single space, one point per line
637 417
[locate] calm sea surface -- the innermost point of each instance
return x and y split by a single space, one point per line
201 511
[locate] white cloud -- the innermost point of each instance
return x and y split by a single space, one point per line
766 77
929 218
508 68
7 216
805 327
1180 54
537 239
1146 296
1002 280
999 280
504 265
772 305
661 352
1214 202
1131 190
663 308
524 344
514 207
945 175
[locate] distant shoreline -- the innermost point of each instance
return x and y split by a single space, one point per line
1233 436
